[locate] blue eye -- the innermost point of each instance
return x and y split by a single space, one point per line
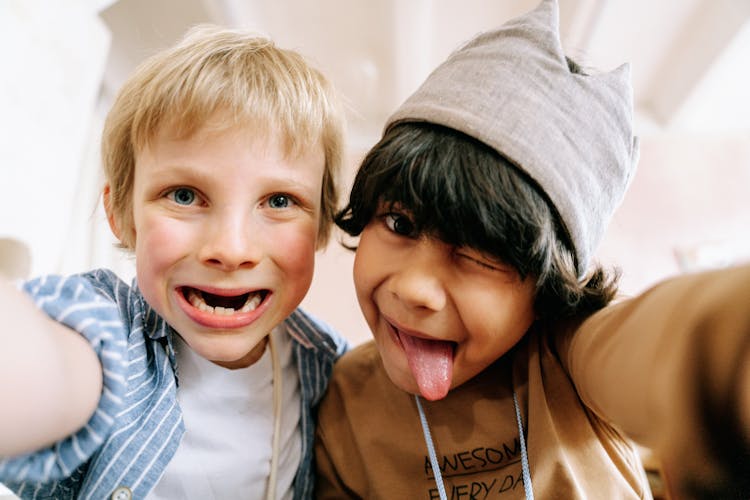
183 196
399 224
279 201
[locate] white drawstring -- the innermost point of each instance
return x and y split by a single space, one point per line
436 467
276 418
431 450
524 455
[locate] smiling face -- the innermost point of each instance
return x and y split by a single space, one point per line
225 229
439 314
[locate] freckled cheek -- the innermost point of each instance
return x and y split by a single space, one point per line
159 243
294 251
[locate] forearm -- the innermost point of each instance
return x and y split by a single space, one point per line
51 377
670 369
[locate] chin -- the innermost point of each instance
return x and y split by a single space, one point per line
223 349
401 378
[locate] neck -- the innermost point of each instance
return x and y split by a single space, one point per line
248 359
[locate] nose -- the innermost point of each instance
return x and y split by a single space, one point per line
230 241
419 282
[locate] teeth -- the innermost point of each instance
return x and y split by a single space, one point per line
252 302
196 299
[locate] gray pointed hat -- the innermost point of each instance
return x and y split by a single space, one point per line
514 89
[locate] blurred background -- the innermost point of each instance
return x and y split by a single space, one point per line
688 207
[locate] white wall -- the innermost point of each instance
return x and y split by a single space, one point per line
53 59
688 208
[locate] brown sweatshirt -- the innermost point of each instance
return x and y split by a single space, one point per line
668 368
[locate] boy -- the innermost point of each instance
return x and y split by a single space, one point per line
200 380
477 214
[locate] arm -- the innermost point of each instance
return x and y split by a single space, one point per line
670 369
51 377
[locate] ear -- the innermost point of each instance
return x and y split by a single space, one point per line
107 200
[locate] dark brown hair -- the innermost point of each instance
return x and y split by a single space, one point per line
466 194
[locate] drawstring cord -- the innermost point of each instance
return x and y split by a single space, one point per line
276 418
524 455
431 450
436 467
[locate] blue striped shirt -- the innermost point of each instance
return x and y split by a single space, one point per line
137 426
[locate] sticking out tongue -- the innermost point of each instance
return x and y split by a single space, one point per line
431 363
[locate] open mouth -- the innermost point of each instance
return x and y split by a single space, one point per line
223 305
430 362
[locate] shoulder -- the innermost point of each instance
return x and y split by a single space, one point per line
98 286
94 304
314 335
69 299
359 369
88 303
362 358
361 391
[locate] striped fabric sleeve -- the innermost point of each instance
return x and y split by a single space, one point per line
78 303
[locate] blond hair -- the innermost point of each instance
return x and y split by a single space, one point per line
245 79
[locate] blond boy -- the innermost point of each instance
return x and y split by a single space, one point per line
200 379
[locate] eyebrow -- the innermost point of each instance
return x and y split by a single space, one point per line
189 173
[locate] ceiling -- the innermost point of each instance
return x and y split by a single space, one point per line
689 57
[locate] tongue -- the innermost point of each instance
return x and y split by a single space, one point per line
431 363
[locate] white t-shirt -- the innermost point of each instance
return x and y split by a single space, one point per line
228 414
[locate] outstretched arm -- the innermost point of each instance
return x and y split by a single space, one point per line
50 377
671 368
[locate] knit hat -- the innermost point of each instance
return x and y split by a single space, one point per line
513 89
